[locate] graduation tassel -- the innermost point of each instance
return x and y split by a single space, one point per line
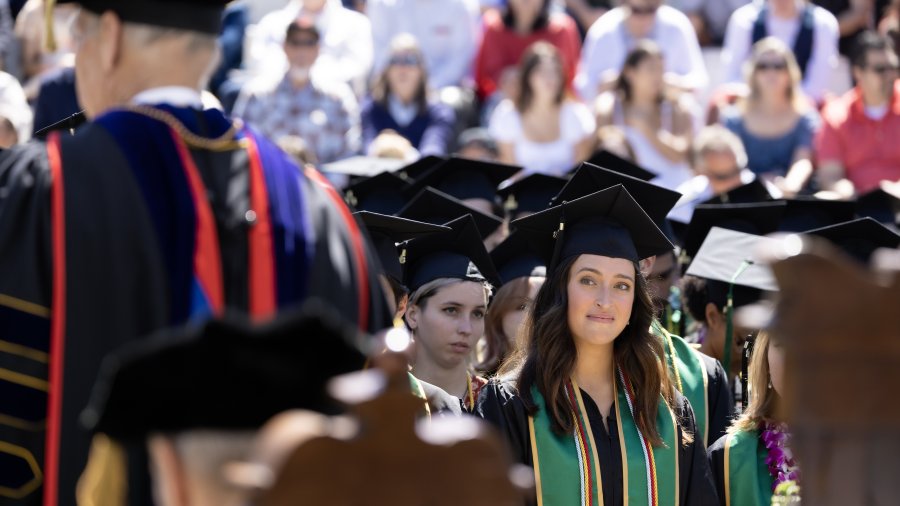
49 32
729 317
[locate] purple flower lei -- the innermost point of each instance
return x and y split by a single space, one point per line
780 460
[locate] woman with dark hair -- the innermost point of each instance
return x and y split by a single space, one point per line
543 130
587 400
657 124
754 457
399 102
508 33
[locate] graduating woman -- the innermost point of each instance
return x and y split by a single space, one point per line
754 457
450 276
588 403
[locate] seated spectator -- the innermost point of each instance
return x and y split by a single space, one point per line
346 53
890 24
618 31
709 17
857 146
477 144
657 125
543 130
447 31
810 31
9 45
509 32
400 102
720 162
853 17
38 55
776 122
325 115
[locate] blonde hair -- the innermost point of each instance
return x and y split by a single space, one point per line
762 398
771 44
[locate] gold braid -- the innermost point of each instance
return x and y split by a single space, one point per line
225 142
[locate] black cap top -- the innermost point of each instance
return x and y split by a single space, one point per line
532 193
754 191
615 162
802 214
420 167
881 205
457 253
758 219
655 200
381 193
226 374
859 238
387 231
609 223
465 179
433 206
514 258
194 15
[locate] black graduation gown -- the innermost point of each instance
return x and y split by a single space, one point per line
718 393
716 456
499 405
118 277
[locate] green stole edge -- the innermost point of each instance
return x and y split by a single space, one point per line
692 372
749 481
555 458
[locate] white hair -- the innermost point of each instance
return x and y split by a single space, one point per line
718 139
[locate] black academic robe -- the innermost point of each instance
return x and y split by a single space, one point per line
500 405
718 393
128 270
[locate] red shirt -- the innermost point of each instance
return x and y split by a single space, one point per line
502 47
868 149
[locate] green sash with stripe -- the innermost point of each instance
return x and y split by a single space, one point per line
748 480
567 469
688 374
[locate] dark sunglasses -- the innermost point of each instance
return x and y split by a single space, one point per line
644 11
772 65
724 177
302 42
404 60
882 69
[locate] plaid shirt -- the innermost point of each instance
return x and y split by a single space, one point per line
325 117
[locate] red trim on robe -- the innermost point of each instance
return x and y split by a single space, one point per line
262 282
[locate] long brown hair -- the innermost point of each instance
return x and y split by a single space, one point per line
381 88
643 50
763 399
533 56
499 345
547 356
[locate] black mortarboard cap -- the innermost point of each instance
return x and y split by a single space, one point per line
880 205
465 179
514 258
387 231
433 206
859 238
806 213
226 374
609 223
382 193
655 200
194 15
420 167
759 219
754 191
532 193
456 253
615 162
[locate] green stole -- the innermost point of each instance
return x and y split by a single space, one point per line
689 375
567 469
747 478
419 392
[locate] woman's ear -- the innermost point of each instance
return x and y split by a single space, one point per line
412 316
646 265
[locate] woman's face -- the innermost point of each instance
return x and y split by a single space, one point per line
512 320
646 77
404 74
776 366
545 80
770 74
526 9
450 323
601 296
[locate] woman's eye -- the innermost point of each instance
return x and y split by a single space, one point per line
478 314
587 281
450 310
522 307
623 286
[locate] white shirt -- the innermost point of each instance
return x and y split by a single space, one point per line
448 32
555 158
345 53
176 96
608 43
14 106
823 59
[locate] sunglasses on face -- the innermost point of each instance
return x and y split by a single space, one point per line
771 65
406 60
302 42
